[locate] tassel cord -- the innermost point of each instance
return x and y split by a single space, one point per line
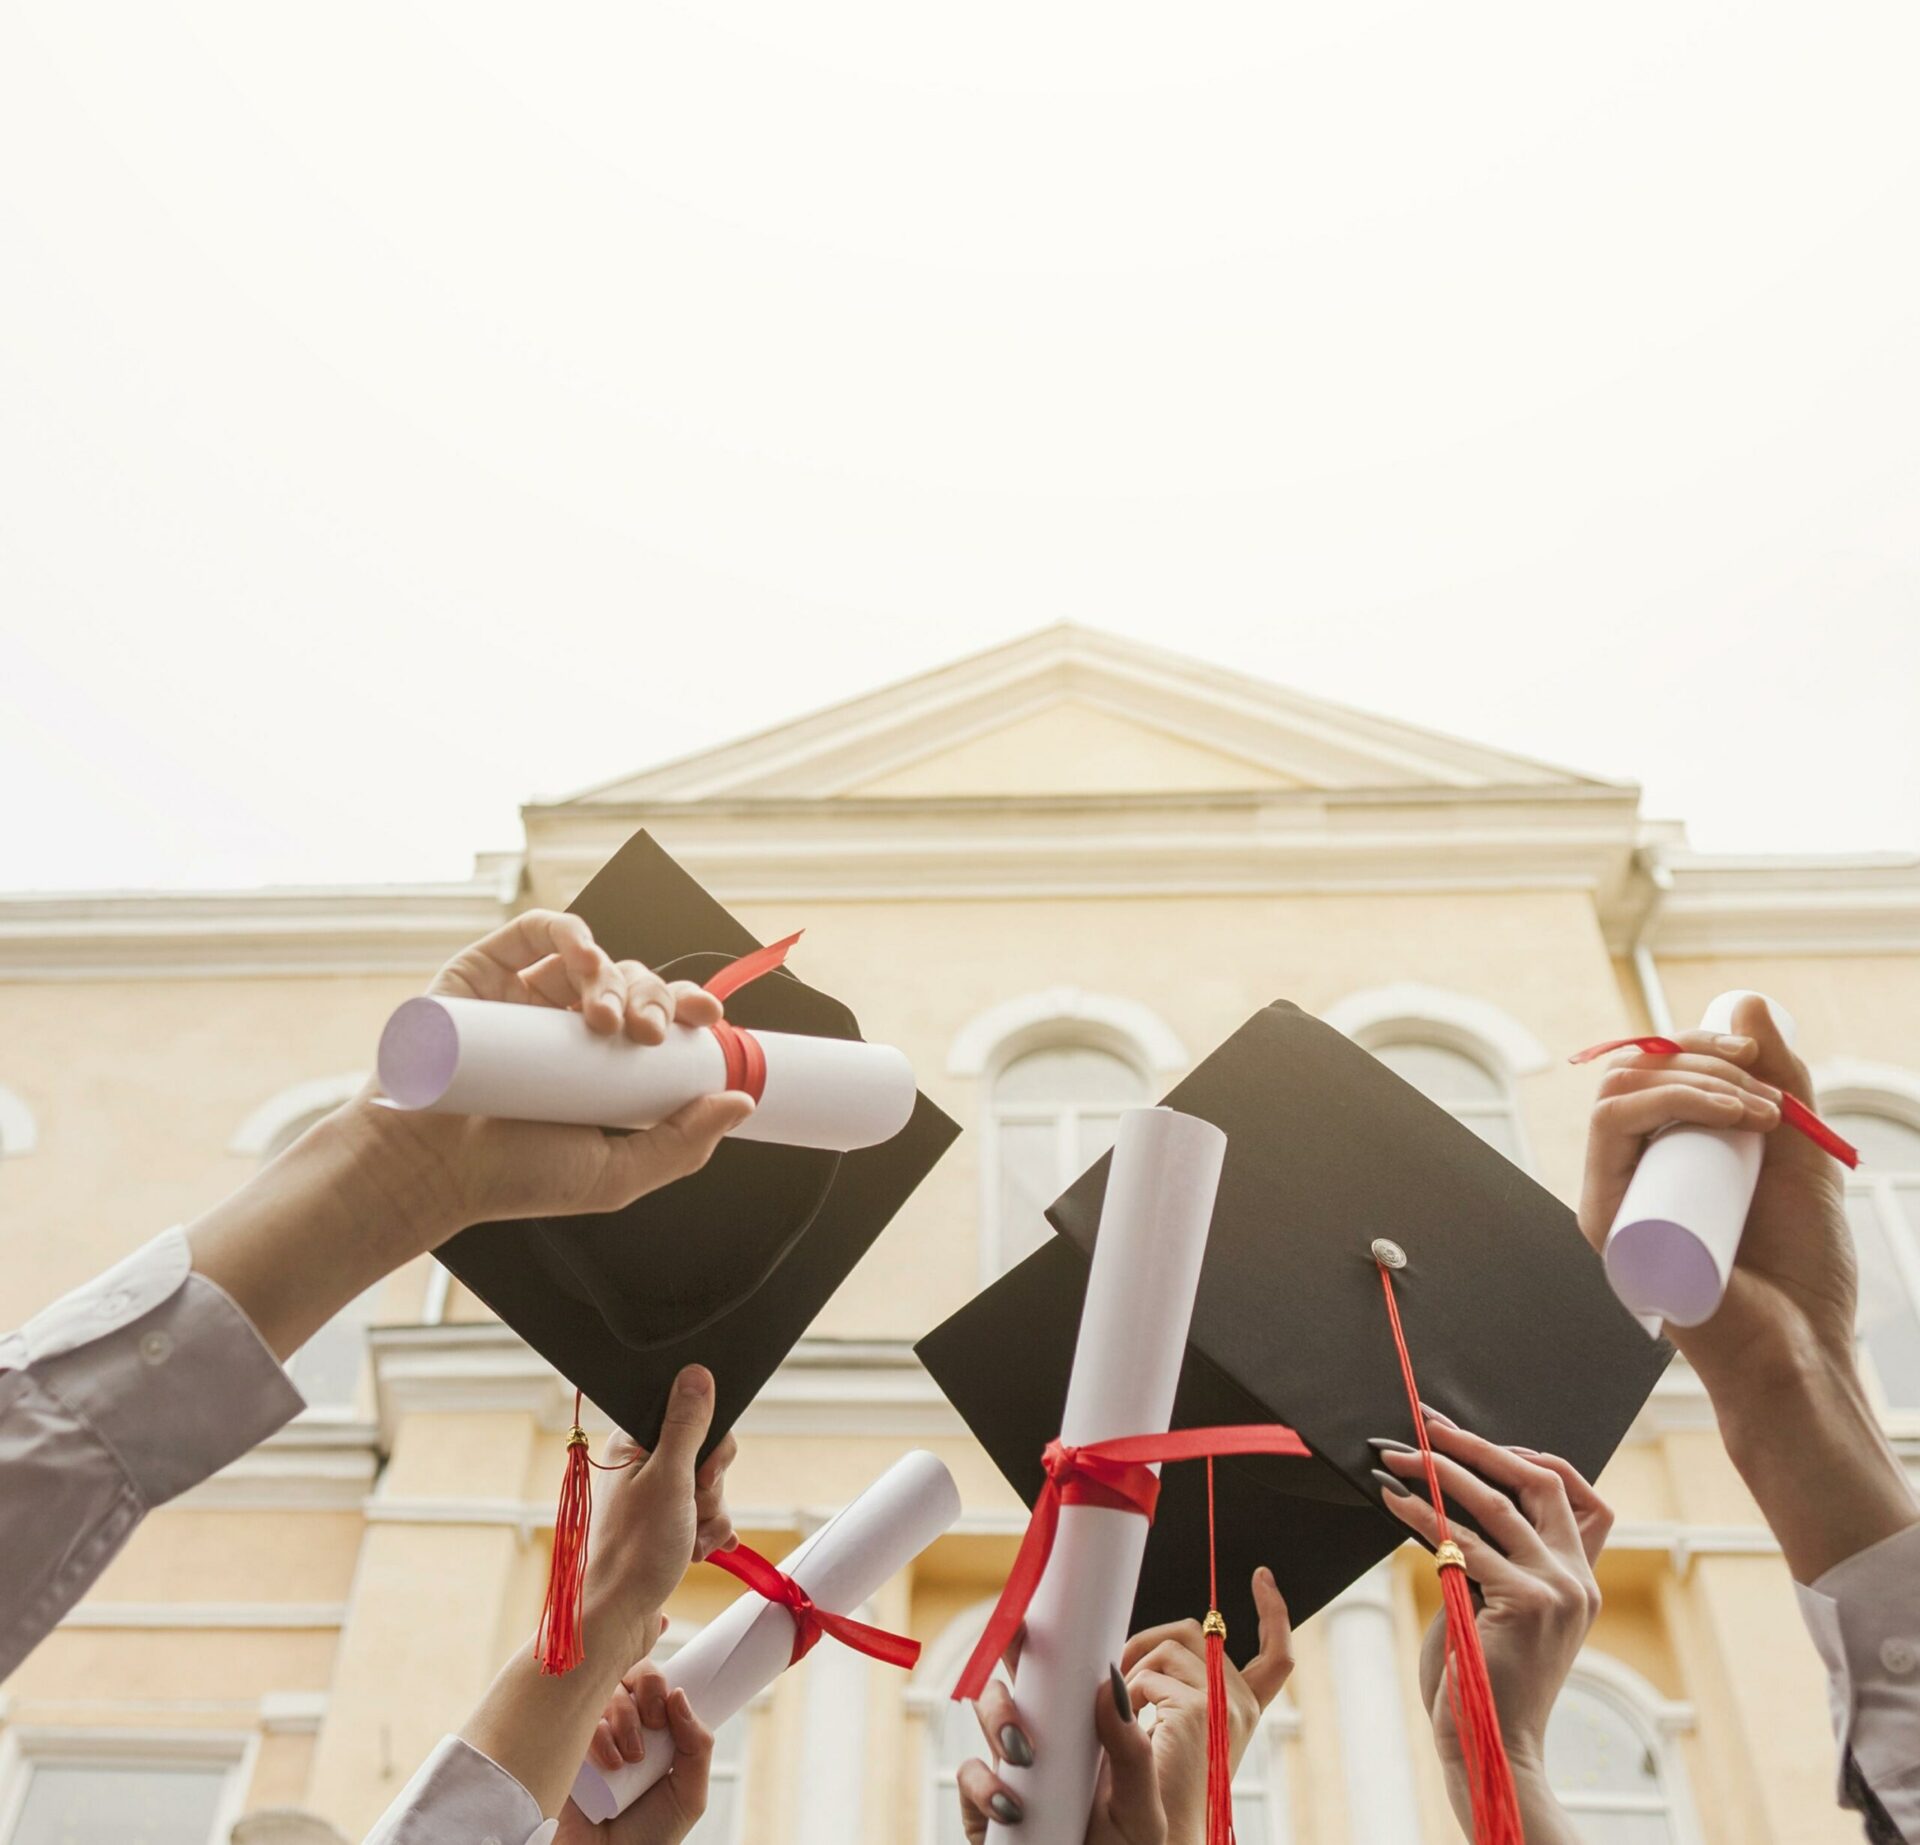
1476 1718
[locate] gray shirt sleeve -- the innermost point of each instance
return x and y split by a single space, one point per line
113 1400
1864 1616
462 1797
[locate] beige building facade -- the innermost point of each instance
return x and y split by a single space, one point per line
1056 874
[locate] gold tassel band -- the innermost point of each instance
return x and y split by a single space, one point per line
1215 1623
1449 1556
576 1437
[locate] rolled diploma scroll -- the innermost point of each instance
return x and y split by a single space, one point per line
539 1063
1677 1231
739 1653
1133 1335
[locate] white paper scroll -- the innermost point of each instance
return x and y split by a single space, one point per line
741 1652
1126 1363
539 1063
1675 1236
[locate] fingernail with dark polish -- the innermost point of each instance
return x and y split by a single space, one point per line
1392 1485
1015 1746
1006 1809
1433 1415
1391 1447
1122 1702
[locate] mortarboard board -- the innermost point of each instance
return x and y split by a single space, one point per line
729 1266
1511 1326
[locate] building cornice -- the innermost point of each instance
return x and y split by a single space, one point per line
1259 843
145 935
1804 905
834 1387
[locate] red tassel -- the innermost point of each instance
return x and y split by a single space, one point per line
1219 1726
1476 1718
558 1645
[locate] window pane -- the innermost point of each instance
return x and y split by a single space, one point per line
1884 1316
1622 1828
1029 1182
85 1805
1592 1748
1442 1074
1886 1145
1249 1817
1070 1073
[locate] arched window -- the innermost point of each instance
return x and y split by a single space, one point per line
1467 1087
1054 1110
1262 1810
1456 1049
1883 1207
1611 1759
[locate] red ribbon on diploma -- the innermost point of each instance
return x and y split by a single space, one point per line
811 1622
746 1060
1117 1474
1794 1112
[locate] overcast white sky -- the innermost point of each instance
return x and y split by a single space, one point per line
407 410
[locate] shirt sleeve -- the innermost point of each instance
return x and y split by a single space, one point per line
1864 1616
115 1399
462 1797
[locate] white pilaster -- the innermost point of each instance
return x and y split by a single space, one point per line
1381 1804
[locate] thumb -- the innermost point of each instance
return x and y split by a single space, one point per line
1272 1666
1774 1062
684 1427
1133 1789
681 1144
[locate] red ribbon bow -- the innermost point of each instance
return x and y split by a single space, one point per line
1794 1112
810 1621
1117 1474
746 1060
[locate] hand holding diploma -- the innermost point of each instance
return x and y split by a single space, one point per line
1777 1358
675 1804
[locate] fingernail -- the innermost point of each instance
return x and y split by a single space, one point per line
1121 1701
657 1012
1006 1809
1433 1415
1733 1046
1399 1487
697 1381
1391 1447
1014 1745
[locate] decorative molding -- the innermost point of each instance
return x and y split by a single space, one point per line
203 935
1142 1035
207 1615
1884 1088
825 1386
1477 1025
260 1133
1272 842
1861 903
19 1133
311 1465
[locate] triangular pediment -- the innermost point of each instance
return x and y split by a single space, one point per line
1072 711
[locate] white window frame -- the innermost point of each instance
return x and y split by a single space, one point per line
263 1131
19 1132
26 1747
1852 1087
1659 1722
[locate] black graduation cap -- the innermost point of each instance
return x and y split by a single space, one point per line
1509 1321
729 1266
